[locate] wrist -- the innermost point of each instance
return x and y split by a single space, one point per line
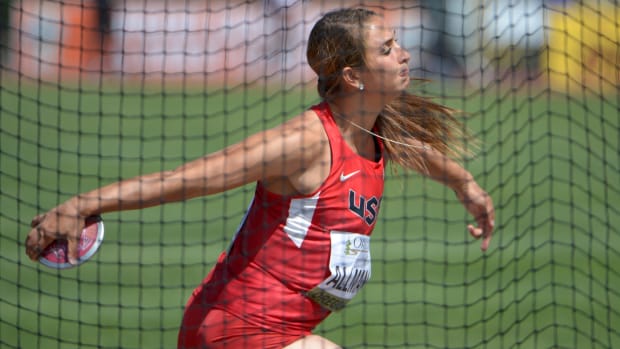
74 207
462 184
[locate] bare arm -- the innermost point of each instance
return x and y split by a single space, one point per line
475 200
273 153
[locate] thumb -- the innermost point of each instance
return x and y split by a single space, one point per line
72 250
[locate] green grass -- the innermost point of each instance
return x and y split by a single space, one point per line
550 279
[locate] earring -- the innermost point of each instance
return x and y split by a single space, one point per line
361 86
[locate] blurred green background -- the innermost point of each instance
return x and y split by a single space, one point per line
549 280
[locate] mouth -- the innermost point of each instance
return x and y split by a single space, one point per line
404 72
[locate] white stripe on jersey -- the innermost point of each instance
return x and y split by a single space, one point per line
300 214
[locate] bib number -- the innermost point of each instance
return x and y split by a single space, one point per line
349 265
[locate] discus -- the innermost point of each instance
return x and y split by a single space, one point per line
55 255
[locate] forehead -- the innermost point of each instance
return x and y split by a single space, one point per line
378 31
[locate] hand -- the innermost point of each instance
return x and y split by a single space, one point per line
61 222
480 205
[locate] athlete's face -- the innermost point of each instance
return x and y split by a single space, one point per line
387 70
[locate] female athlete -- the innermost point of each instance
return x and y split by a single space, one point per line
302 250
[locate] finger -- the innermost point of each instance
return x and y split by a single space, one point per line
486 242
72 250
32 247
490 227
36 242
487 233
37 220
475 232
490 219
32 251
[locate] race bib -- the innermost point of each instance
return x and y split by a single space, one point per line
349 265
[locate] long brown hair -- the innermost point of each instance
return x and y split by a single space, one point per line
337 41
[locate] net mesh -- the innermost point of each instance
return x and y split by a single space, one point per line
96 91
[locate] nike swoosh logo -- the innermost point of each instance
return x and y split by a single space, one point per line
344 177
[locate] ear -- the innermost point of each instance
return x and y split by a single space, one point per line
351 78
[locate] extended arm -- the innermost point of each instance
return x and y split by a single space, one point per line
275 153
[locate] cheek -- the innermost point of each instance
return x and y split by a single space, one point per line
382 73
380 70
387 67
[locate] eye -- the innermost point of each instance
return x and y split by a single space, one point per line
387 48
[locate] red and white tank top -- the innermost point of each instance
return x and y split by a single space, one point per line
296 258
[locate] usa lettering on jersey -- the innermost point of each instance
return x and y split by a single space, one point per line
365 208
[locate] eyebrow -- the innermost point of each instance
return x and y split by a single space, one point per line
390 40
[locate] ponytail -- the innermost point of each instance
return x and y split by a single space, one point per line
412 123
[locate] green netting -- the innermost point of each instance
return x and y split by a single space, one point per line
91 94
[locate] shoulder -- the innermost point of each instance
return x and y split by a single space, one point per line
302 149
289 147
302 132
306 122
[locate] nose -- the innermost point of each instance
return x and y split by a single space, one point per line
404 55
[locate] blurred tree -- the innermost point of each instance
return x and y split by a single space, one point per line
5 13
583 47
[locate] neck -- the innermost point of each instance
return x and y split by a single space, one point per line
355 111
356 124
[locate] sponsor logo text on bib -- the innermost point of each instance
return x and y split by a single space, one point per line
349 265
